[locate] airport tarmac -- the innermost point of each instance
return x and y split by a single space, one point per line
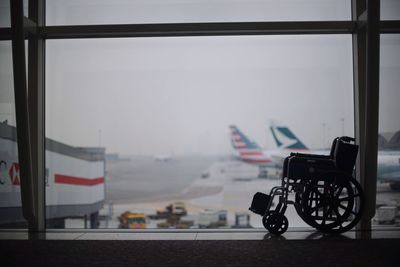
222 185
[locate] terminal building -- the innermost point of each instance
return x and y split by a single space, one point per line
389 141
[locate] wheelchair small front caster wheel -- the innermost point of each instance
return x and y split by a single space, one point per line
265 218
276 223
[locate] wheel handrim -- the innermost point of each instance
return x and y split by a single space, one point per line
327 203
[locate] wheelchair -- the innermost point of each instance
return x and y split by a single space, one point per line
326 195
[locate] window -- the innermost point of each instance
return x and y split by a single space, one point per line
164 106
5 13
388 194
5 20
177 11
220 82
390 10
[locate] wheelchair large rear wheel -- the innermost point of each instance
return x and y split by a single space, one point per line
333 203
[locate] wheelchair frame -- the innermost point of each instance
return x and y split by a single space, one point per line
319 199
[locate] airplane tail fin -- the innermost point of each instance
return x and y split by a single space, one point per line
241 141
285 138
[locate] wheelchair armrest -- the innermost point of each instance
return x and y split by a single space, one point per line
311 156
312 160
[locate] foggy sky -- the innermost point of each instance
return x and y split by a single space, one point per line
179 95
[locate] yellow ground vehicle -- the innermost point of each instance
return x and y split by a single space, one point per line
132 220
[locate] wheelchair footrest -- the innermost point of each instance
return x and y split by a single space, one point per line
260 203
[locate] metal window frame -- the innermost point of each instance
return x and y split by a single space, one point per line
29 106
364 26
22 112
36 97
366 54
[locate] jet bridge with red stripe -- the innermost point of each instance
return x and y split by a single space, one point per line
74 179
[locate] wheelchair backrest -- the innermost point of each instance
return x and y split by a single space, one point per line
345 155
333 148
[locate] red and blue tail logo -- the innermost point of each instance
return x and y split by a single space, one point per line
240 141
248 151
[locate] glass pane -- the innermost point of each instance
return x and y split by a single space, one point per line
162 109
388 188
10 191
77 12
5 19
390 10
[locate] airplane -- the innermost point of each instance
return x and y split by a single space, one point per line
388 161
249 151
286 139
163 158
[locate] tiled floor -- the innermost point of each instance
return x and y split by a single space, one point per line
386 233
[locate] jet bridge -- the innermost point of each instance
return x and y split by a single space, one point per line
74 181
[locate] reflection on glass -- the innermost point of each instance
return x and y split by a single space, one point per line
5 19
388 188
77 12
10 191
162 110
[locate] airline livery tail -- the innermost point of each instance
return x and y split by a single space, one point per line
240 141
248 151
285 138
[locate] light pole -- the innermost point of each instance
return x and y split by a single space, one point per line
342 120
99 137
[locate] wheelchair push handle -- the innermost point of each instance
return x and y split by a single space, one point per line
347 139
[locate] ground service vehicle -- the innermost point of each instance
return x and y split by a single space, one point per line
177 208
132 220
